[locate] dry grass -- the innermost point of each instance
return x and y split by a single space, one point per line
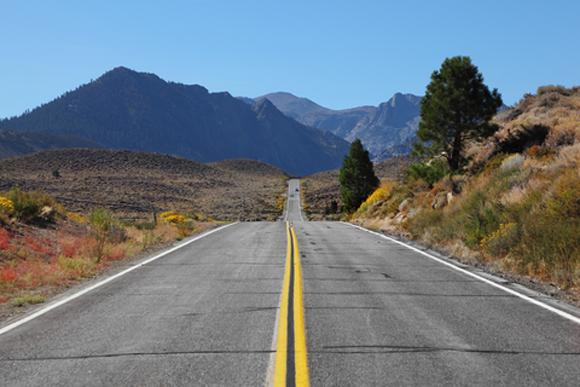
37 261
551 118
134 185
517 213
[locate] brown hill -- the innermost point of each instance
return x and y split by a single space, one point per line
138 184
550 118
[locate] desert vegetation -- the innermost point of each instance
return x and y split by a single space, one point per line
514 208
136 185
44 248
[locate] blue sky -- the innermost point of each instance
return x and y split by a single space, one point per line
337 53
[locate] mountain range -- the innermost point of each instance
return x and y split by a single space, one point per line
386 130
125 109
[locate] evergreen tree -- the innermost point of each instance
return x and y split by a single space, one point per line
457 107
357 177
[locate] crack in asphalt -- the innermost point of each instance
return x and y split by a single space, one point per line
369 349
233 311
129 354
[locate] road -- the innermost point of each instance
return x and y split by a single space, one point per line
232 308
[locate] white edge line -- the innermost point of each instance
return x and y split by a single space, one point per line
557 311
300 199
84 291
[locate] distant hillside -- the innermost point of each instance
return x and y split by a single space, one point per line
124 109
386 130
20 143
137 183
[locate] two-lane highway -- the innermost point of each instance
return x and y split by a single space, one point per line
203 315
300 302
378 313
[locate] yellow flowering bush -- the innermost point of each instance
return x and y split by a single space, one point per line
380 194
173 217
499 242
76 217
6 205
184 224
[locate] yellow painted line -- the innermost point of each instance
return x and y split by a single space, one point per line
282 337
298 348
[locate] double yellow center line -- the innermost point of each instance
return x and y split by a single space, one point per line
291 367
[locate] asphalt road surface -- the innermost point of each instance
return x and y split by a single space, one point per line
376 313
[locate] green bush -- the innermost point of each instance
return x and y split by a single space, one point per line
30 207
423 221
102 224
430 172
551 232
500 242
479 217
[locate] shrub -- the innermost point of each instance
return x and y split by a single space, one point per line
424 220
183 223
29 299
76 217
69 247
514 161
6 205
399 193
500 242
8 275
554 89
76 267
102 222
478 218
173 217
539 151
551 232
33 206
116 253
4 239
430 172
380 194
280 203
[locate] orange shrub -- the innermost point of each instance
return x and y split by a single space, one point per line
7 275
116 253
4 239
38 245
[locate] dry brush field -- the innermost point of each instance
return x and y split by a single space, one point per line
136 184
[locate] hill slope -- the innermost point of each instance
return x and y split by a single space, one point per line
124 109
516 210
137 183
386 130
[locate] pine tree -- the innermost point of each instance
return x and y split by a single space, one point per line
357 177
457 107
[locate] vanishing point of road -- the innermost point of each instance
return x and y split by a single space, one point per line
294 303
